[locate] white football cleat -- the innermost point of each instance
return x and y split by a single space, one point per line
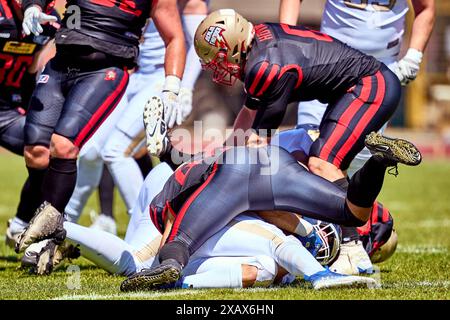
329 280
352 259
103 222
44 256
12 235
47 223
155 127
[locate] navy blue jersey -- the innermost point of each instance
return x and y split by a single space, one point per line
16 56
293 63
111 26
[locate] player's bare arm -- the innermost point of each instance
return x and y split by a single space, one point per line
409 65
289 11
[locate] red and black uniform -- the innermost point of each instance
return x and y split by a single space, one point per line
205 195
81 86
292 63
377 230
16 83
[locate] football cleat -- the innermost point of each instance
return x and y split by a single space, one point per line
155 127
352 259
160 277
327 279
11 236
393 150
47 223
43 257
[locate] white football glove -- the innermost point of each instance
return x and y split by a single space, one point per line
408 67
172 106
32 20
185 97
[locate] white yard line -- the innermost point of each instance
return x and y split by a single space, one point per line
418 249
415 284
132 295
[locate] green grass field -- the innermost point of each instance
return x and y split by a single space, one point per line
419 199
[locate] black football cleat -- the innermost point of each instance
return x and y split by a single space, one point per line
160 277
393 150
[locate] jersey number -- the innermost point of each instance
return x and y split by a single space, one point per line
128 6
305 33
362 4
12 69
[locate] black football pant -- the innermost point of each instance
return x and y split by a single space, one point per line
366 107
252 179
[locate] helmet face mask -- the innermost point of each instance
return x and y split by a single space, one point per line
222 41
330 238
224 72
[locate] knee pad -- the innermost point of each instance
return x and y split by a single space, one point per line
90 153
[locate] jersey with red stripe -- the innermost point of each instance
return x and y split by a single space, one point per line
377 230
293 63
117 22
182 184
16 56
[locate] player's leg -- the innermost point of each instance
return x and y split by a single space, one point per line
43 114
129 131
90 163
91 98
365 108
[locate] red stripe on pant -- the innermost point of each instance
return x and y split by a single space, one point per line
98 117
365 119
346 118
188 203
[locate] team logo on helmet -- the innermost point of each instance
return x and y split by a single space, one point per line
215 38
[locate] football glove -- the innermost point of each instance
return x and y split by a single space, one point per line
32 20
172 106
408 67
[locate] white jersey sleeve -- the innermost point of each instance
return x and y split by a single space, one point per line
374 27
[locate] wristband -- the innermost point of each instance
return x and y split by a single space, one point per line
172 84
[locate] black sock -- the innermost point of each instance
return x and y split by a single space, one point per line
59 182
106 193
145 164
175 250
175 158
366 183
31 195
348 233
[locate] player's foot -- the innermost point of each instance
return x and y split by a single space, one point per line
12 233
352 260
47 223
328 280
393 150
43 257
155 278
155 127
103 222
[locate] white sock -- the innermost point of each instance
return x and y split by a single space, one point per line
292 256
90 171
304 228
224 276
193 66
17 225
102 248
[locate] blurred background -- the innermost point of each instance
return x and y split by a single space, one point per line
423 114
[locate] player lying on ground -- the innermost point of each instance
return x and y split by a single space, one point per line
246 252
204 195
22 58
